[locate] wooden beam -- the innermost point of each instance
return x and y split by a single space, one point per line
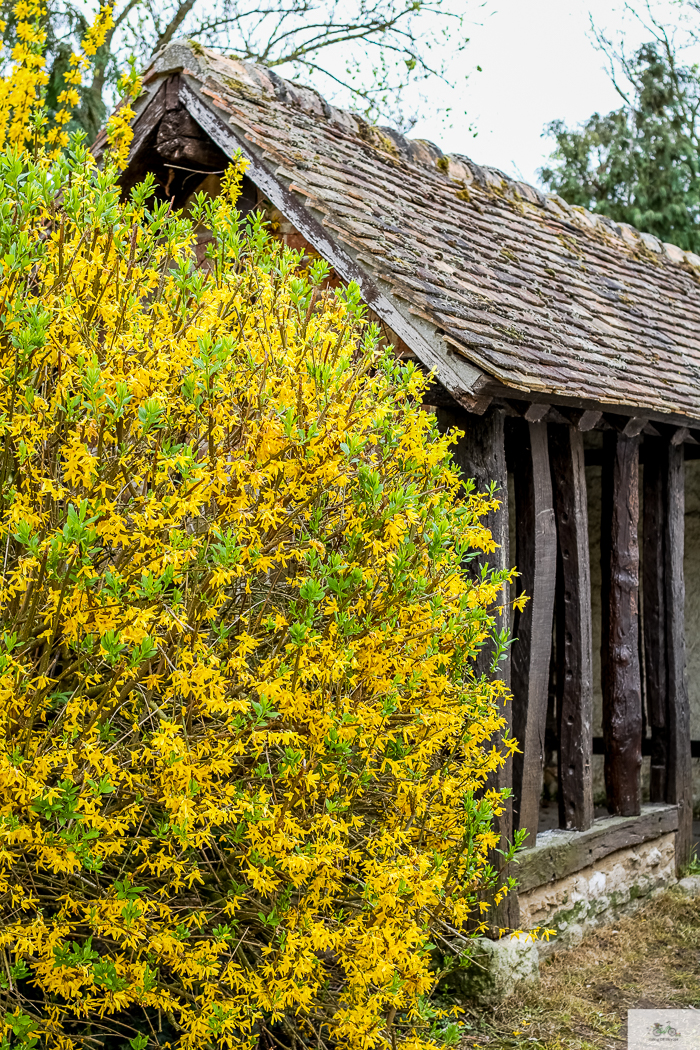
554 416
679 788
480 405
564 854
664 632
622 695
502 391
574 629
682 434
630 426
536 560
582 418
481 455
535 413
634 426
655 466
589 420
144 124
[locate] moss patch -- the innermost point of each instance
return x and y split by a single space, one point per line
647 960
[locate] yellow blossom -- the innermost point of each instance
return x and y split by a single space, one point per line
244 752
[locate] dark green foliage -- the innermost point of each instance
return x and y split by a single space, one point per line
639 164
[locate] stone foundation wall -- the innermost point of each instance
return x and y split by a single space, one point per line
598 894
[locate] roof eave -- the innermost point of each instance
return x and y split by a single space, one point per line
459 377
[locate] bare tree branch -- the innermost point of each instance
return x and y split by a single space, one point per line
175 23
367 54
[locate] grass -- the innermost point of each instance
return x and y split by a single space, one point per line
647 960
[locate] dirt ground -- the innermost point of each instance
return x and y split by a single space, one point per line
647 960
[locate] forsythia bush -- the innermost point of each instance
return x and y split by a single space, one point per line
242 748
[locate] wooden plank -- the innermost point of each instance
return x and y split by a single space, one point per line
621 679
655 465
679 788
459 377
480 453
562 853
536 560
588 420
582 418
535 413
574 629
633 427
147 119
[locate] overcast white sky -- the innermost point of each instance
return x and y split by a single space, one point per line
538 63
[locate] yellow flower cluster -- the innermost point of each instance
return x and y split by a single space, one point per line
23 119
19 92
119 127
243 752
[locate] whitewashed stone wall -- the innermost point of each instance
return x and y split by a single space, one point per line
598 894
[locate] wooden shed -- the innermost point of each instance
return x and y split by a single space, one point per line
567 348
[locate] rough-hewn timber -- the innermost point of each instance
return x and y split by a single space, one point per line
574 631
535 557
679 777
655 471
622 693
561 853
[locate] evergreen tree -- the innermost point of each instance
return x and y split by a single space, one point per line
640 163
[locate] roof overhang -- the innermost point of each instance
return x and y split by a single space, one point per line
462 380
178 69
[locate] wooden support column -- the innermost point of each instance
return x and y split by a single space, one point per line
536 559
574 629
679 786
654 579
622 694
481 456
664 633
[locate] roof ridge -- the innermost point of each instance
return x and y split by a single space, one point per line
253 77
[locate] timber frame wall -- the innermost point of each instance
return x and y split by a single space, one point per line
544 449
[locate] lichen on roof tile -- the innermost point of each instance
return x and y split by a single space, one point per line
543 296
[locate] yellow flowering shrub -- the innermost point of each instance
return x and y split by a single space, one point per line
23 118
243 752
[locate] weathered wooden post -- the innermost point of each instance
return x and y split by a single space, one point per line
654 580
622 691
679 786
481 455
664 633
574 630
536 560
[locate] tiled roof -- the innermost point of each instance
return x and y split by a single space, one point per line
540 296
